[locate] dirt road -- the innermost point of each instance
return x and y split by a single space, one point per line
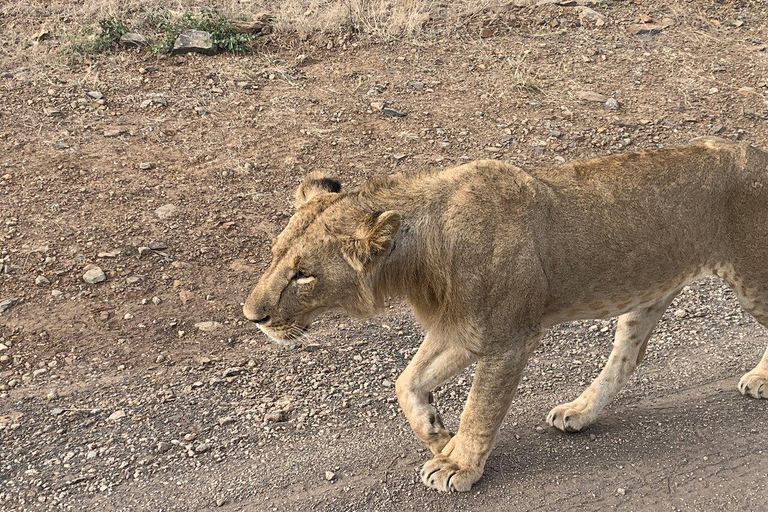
147 391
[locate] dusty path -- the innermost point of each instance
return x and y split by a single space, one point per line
148 392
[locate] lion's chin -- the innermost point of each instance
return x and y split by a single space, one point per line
285 337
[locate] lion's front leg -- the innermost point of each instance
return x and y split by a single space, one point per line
461 463
437 360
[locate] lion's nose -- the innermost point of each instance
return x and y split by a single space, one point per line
256 315
261 320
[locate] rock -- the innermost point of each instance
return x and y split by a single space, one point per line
156 300
416 85
109 254
197 41
312 347
226 420
128 316
389 111
164 446
56 293
399 156
208 326
57 411
41 35
96 95
330 475
647 30
680 313
143 251
114 132
591 96
133 40
42 281
166 211
621 491
487 32
3 346
95 275
202 448
587 14
117 415
8 303
6 75
158 246
233 371
747 91
133 280
612 104
277 416
53 112
147 166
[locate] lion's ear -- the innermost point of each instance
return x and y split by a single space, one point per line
316 182
374 238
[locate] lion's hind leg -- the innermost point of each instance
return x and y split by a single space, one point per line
752 291
632 334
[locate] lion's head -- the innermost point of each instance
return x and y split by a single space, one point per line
323 260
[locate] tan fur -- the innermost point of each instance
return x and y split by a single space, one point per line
489 256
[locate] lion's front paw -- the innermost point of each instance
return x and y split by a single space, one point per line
446 475
754 384
570 417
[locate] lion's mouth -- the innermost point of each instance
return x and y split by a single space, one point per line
284 334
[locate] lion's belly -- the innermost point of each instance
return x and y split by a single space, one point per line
614 301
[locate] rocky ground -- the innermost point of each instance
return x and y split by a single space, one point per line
138 195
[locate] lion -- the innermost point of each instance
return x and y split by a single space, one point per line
490 256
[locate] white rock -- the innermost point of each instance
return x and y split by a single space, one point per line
95 275
166 211
208 326
120 414
42 281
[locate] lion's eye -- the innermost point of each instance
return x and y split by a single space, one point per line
302 278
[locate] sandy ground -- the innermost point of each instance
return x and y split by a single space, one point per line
119 395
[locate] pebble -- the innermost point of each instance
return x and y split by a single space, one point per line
134 39
208 326
52 395
7 304
233 371
680 313
226 420
96 95
146 166
127 316
202 448
330 475
612 104
158 246
42 281
156 300
114 132
621 491
591 96
94 276
143 251
55 411
389 111
133 280
166 211
277 416
416 85
117 415
163 446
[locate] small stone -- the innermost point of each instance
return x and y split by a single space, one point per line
416 85
190 437
591 96
220 502
713 90
330 475
127 316
386 383
114 132
277 416
8 303
399 156
226 420
202 448
133 280
166 211
233 371
96 95
42 281
680 313
486 33
13 383
3 346
621 491
53 112
109 254
197 41
378 105
6 75
133 40
646 29
57 411
147 166
160 358
164 446
156 300
56 293
158 246
312 347
612 104
389 111
143 251
52 395
94 276
209 326
117 415
747 91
